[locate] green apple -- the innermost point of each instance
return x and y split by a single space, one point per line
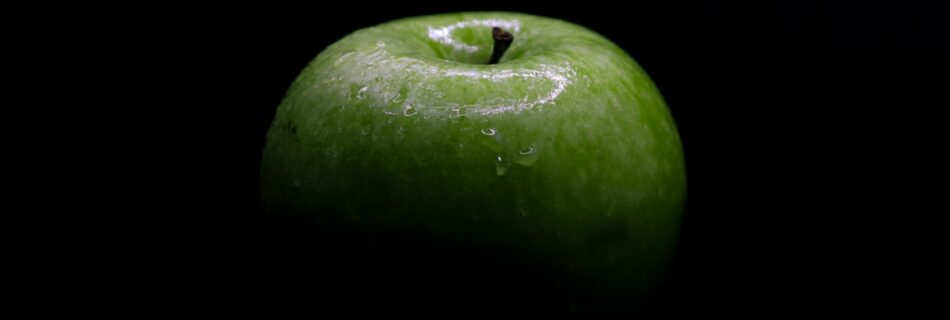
562 156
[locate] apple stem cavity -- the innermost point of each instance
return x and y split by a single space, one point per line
503 40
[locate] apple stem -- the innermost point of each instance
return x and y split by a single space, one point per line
503 40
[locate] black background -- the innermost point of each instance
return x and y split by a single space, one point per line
805 126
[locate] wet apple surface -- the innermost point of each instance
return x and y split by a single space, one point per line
562 157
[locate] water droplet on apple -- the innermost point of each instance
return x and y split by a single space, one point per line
501 166
364 132
527 157
362 93
343 58
488 132
409 111
456 113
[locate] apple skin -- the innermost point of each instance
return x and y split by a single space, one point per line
562 158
